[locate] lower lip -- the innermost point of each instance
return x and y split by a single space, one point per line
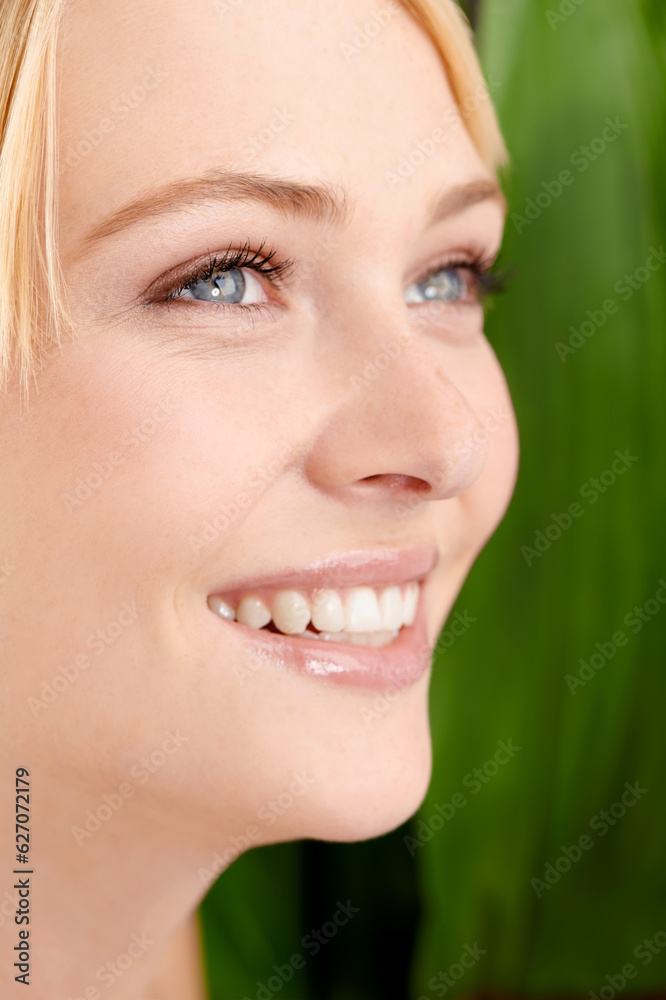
396 665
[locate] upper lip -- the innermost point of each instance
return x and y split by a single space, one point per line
379 567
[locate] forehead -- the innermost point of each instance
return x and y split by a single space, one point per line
159 90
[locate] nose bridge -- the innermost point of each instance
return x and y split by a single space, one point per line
397 413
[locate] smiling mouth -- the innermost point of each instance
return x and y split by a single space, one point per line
362 615
357 618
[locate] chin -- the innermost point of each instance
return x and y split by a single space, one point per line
379 777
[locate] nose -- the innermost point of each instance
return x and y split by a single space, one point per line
398 424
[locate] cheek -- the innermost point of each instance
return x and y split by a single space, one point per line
477 374
127 464
109 476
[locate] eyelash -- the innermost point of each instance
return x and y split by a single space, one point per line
480 268
228 261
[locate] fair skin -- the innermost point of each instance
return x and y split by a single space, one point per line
227 393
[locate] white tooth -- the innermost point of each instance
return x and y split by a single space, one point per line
362 610
390 605
381 638
334 636
221 608
374 639
384 637
291 612
410 602
327 612
253 612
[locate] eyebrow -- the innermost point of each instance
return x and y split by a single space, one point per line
322 202
458 199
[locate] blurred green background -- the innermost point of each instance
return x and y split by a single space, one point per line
581 334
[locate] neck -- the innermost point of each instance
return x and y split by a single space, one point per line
112 886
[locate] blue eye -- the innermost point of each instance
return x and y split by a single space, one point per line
236 285
230 278
227 286
446 285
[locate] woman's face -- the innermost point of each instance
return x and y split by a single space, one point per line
339 424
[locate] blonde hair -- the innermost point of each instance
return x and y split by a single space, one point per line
33 309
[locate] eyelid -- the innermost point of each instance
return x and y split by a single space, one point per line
474 258
166 288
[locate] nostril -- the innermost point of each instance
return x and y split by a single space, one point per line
400 483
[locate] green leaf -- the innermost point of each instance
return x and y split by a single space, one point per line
562 81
